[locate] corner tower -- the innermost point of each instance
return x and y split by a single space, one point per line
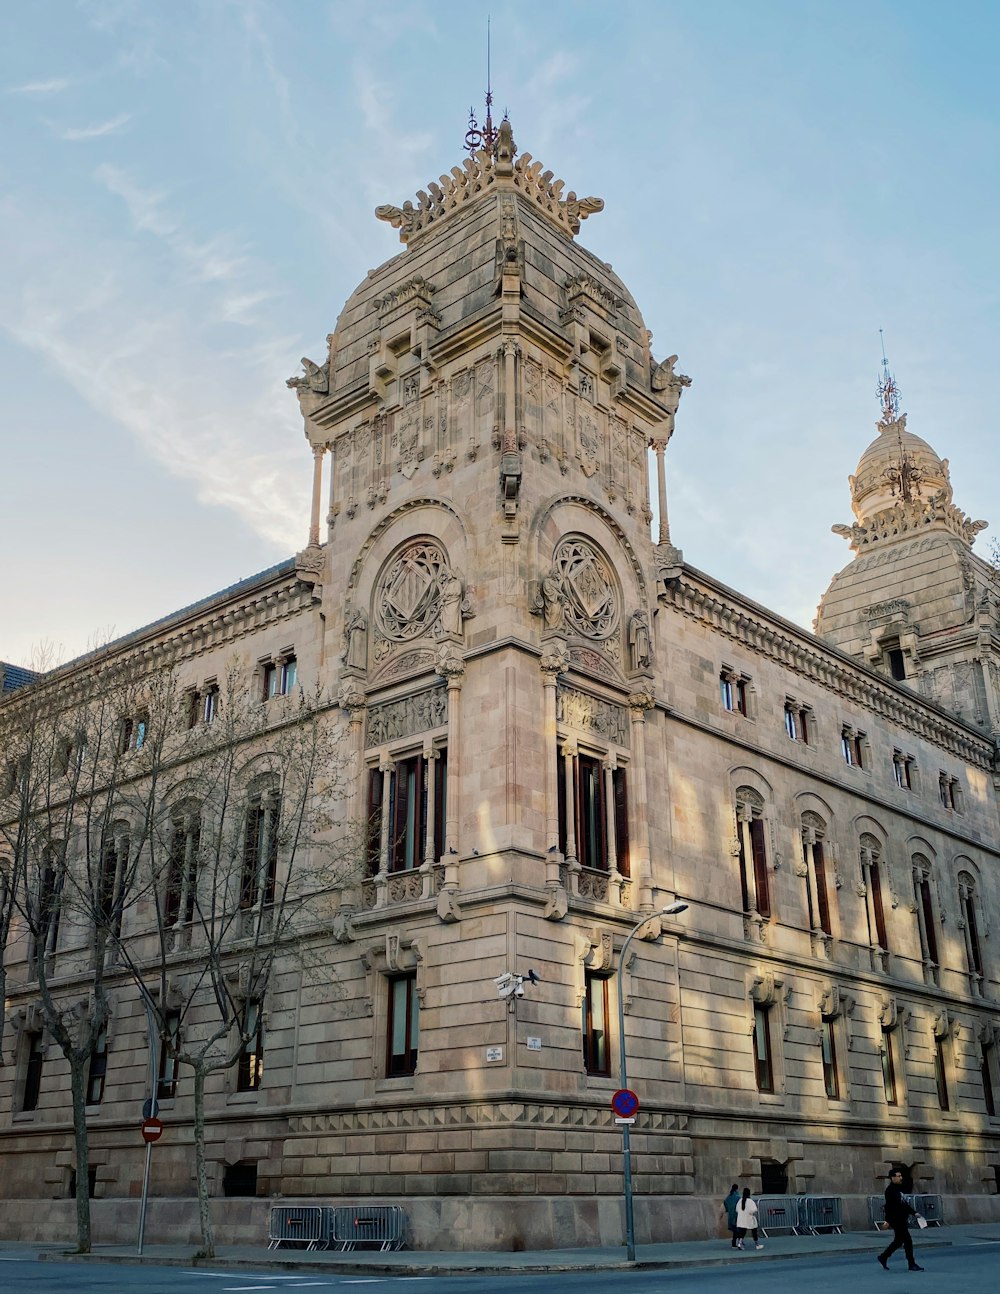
916 602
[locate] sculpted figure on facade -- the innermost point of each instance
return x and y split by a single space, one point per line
316 379
355 653
640 651
669 386
548 601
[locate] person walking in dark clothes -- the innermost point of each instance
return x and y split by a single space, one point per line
898 1214
729 1209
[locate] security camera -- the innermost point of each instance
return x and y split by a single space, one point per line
506 985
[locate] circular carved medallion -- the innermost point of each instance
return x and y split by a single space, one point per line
408 600
588 587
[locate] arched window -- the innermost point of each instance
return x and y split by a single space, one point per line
112 881
750 836
926 922
260 845
968 904
813 832
872 880
181 884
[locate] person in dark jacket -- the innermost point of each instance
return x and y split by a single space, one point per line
898 1213
729 1209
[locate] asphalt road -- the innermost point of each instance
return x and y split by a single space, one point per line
954 1269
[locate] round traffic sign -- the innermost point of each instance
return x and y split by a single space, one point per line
152 1129
624 1103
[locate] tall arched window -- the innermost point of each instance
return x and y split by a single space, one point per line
260 845
968 903
923 900
872 881
817 887
180 889
112 880
750 834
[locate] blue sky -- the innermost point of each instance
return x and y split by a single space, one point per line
186 198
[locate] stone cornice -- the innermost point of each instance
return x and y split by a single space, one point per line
186 635
721 609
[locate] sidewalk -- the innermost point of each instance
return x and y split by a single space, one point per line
685 1253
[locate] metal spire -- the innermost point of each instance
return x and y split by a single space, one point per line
475 139
888 391
903 477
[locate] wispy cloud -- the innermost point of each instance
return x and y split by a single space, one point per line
73 134
41 89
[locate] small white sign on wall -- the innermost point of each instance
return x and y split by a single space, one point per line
494 1053
534 1044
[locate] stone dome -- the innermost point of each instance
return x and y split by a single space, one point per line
876 485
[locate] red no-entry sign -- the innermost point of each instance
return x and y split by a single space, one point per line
152 1129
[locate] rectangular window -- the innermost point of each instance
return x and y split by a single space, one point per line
280 677
250 1066
407 814
620 790
182 862
733 691
596 1052
403 1027
114 859
591 814
98 1069
798 722
752 830
951 792
33 1072
986 1071
831 1081
852 744
889 1068
210 703
763 1063
728 693
760 866
940 1074
902 770
440 802
166 1080
373 842
897 664
193 707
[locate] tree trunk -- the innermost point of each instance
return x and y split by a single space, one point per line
78 1088
201 1170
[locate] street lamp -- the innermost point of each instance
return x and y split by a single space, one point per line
671 910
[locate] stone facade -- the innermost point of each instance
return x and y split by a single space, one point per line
556 727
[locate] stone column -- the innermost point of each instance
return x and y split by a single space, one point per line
317 493
386 768
452 667
332 509
554 660
614 875
658 445
429 757
569 750
638 704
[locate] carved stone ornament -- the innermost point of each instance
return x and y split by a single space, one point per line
316 379
419 594
394 720
486 169
555 657
587 713
585 587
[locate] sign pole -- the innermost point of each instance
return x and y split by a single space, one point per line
145 1195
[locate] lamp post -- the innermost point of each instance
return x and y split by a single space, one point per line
671 910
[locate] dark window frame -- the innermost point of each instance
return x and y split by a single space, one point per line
763 1054
596 1040
250 1063
402 1041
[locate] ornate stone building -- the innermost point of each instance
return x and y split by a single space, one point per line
557 727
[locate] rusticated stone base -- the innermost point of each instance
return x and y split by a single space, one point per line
492 1223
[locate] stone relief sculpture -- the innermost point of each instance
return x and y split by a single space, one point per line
669 386
548 601
419 594
317 378
355 653
640 652
587 588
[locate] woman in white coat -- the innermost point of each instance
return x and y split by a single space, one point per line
746 1219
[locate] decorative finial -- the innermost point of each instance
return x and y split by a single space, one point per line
888 391
475 139
904 477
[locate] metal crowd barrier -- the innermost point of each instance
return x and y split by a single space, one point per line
299 1225
778 1213
375 1224
820 1213
931 1207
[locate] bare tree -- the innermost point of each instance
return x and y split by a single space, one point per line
74 827
243 853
